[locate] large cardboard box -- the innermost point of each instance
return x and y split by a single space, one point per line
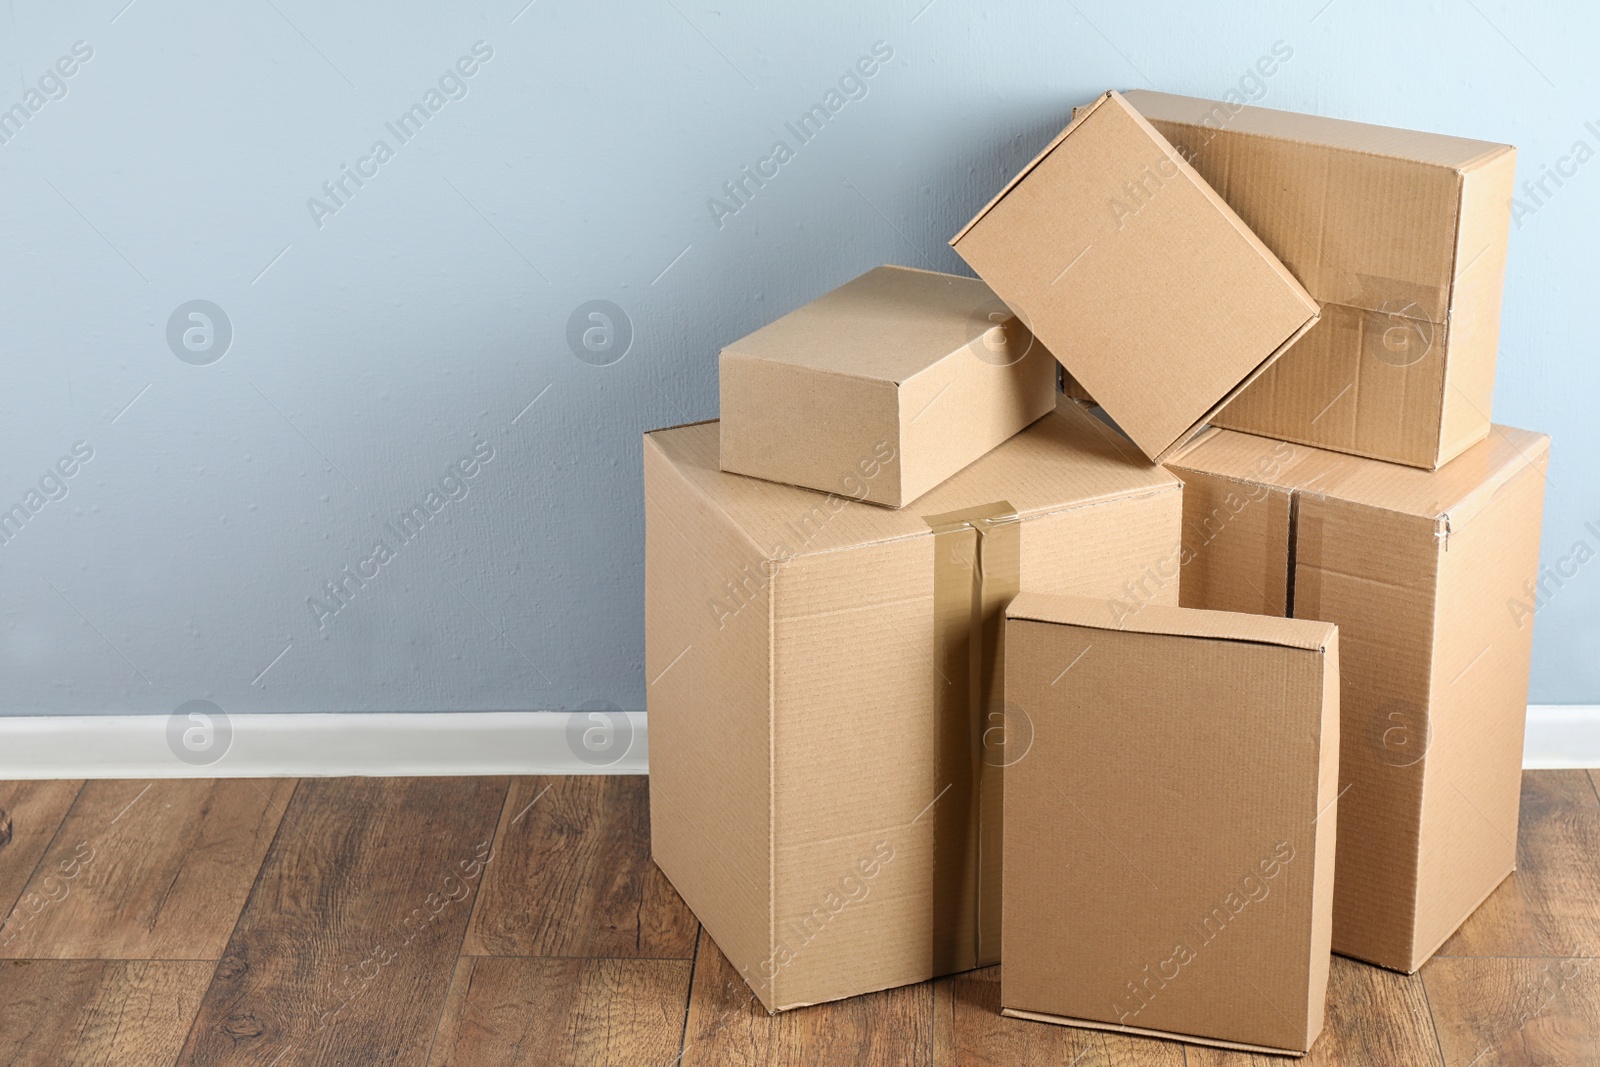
1169 838
1402 237
933 365
1427 575
1142 281
826 727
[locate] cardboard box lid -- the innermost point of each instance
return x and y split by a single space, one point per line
1366 216
890 324
1451 495
1170 834
1172 288
1066 459
1306 634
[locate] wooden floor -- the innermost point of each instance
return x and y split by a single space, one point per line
489 921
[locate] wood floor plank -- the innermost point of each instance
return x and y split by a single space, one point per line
1516 1012
345 949
1551 905
30 815
728 1025
582 851
969 1031
1373 1017
148 870
97 1013
510 1011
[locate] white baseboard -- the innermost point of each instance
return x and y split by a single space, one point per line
324 745
459 743
1562 735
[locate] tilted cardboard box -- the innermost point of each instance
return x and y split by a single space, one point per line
1136 275
1424 573
933 364
826 733
1402 237
1169 837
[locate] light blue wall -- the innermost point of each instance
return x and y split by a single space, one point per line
385 341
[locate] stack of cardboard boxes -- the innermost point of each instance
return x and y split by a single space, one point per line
944 667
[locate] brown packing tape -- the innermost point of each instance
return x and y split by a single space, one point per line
976 573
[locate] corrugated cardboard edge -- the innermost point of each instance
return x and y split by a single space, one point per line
1304 635
1079 114
1116 1028
1200 424
1490 149
1419 959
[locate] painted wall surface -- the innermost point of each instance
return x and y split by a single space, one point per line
455 258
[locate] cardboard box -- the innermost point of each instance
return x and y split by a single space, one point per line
1429 576
1140 279
933 365
1169 838
826 732
1401 236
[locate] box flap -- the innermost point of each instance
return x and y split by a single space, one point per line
1159 619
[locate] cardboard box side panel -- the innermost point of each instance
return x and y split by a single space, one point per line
1374 574
963 406
1327 822
808 427
859 753
1236 545
1193 837
1191 255
706 640
1362 230
1474 330
1480 694
1362 382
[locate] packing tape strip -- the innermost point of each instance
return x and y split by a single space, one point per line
977 571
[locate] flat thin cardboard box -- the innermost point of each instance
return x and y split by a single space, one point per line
1169 837
883 388
1137 276
1428 576
1401 236
826 733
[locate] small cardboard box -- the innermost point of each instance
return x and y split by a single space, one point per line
1140 279
933 365
1429 576
826 733
1402 238
1169 837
